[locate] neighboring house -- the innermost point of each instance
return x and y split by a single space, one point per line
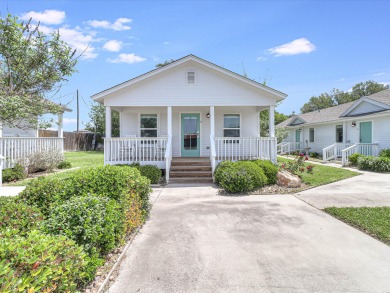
188 108
361 126
17 143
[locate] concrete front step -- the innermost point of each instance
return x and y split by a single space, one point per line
190 163
190 168
190 180
190 174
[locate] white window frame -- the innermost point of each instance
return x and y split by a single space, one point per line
140 124
188 77
339 126
227 128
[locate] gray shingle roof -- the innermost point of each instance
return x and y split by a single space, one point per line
334 113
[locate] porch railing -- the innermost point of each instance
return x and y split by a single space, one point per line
145 150
245 148
288 147
14 149
367 149
334 151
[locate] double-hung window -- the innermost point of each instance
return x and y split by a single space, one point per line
231 125
311 134
148 125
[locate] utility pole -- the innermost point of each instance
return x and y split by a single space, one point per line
78 110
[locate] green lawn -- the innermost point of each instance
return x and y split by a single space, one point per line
77 159
373 221
322 174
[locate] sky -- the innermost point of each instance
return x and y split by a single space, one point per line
302 48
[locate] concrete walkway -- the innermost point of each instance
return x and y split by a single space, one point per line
369 189
198 241
11 190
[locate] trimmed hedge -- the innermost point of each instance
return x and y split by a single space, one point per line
123 184
98 224
240 177
41 263
18 218
152 172
375 164
13 174
270 170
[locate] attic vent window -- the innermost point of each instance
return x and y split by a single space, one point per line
191 77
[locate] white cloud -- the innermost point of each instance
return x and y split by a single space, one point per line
385 83
46 17
166 43
261 58
379 74
69 120
298 46
113 46
127 58
118 25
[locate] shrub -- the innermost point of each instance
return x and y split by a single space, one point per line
152 172
385 153
353 159
43 161
240 177
64 165
123 184
314 155
40 263
220 169
270 170
95 223
43 192
18 217
376 164
13 174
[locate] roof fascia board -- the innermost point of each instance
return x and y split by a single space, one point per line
345 119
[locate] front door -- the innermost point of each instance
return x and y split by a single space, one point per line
366 137
366 132
190 133
297 135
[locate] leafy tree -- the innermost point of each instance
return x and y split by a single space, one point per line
264 121
32 66
281 133
97 114
337 97
323 101
367 88
165 63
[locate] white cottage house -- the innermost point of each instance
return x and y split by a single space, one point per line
362 127
190 108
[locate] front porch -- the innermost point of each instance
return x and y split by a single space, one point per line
155 135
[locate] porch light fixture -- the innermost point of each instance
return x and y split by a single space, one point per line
208 115
353 123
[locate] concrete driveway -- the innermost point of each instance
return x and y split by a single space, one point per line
198 241
369 189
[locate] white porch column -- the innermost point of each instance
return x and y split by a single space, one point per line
212 121
60 125
344 132
108 122
169 121
271 121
